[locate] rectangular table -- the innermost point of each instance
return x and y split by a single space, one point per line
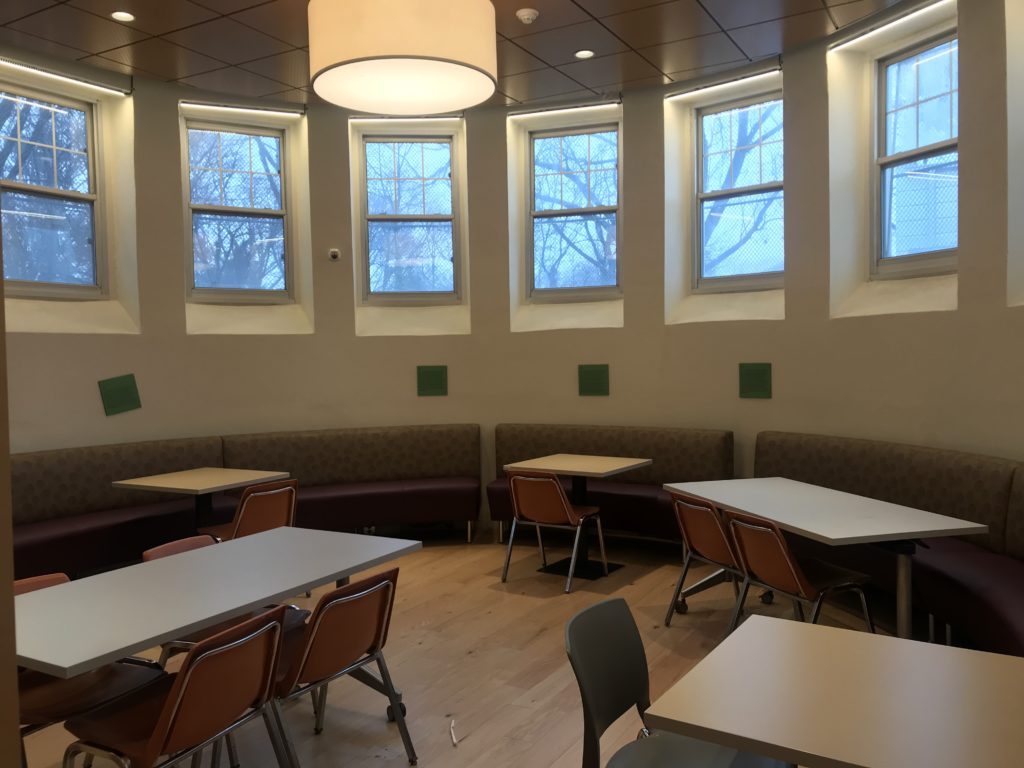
76 627
202 483
836 518
579 468
823 697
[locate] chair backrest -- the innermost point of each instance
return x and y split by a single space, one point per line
32 583
222 678
765 556
178 546
700 525
265 506
608 659
540 497
349 624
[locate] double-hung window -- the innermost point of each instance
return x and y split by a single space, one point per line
918 160
573 231
410 232
48 197
740 242
237 214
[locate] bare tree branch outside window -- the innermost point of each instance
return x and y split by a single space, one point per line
47 198
575 209
740 203
238 212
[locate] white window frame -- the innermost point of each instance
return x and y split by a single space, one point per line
450 130
543 128
921 264
256 126
760 281
39 290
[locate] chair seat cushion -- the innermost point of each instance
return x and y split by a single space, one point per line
980 593
349 506
124 725
667 750
45 699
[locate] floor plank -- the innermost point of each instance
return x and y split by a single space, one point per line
490 656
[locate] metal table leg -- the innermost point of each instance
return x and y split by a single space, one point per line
903 607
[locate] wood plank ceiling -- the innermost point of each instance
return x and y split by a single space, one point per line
258 48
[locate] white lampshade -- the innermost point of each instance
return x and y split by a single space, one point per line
403 57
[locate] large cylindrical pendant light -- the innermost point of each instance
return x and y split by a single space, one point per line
403 57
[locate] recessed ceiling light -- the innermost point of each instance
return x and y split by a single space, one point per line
584 54
122 16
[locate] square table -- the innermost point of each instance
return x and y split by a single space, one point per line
79 626
579 467
823 697
836 518
202 483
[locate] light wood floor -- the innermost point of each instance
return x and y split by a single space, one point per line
491 656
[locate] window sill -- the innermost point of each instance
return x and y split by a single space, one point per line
571 315
265 320
413 321
79 317
719 307
897 297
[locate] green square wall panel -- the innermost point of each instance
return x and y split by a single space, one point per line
120 394
756 380
594 380
432 380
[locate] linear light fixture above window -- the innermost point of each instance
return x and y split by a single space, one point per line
16 66
888 25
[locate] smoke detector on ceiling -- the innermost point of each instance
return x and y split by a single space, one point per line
527 15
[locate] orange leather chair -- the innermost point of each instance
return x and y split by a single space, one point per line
704 540
178 546
45 700
224 682
538 499
261 508
346 634
766 560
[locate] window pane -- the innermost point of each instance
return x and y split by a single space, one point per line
411 257
238 251
36 122
408 178
743 235
69 129
577 170
8 115
73 171
919 206
235 169
47 239
743 147
574 251
921 99
34 137
37 165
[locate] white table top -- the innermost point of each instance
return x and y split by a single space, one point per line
201 480
826 515
579 465
84 624
823 697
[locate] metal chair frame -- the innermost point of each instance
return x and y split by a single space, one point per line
799 601
520 519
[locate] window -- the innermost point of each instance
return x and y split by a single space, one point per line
740 222
409 226
237 214
48 196
918 160
574 210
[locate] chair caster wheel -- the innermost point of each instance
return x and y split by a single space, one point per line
768 597
681 606
391 712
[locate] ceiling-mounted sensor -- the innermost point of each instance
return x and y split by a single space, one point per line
527 15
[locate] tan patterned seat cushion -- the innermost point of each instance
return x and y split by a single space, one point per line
679 454
360 455
963 485
1015 516
70 481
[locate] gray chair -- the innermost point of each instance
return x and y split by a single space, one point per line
607 656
